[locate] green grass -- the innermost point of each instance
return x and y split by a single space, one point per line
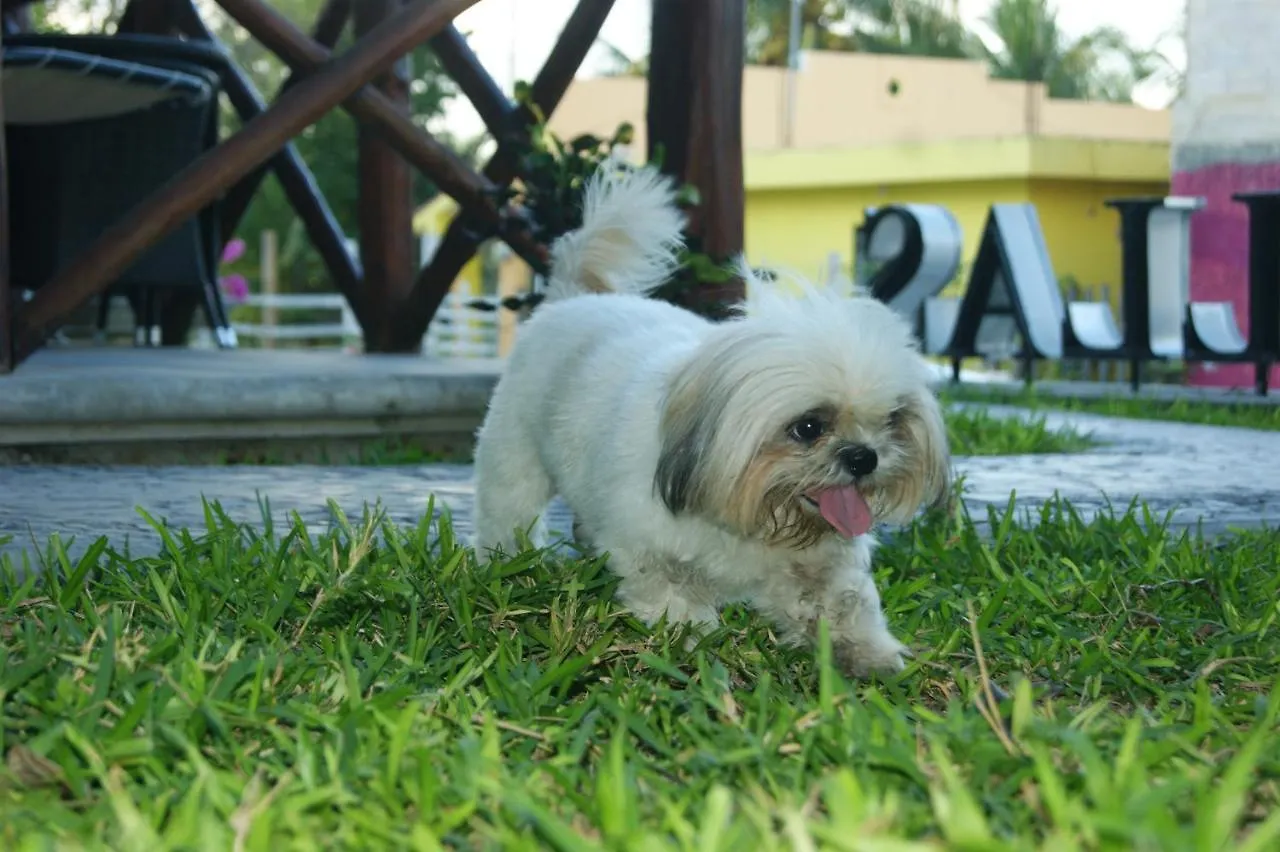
1076 686
1250 416
972 433
390 451
975 432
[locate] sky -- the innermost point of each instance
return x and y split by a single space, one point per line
492 26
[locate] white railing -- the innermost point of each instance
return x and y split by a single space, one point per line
457 331
346 330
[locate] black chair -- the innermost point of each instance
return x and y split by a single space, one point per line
92 129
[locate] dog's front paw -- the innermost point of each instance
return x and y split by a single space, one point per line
881 655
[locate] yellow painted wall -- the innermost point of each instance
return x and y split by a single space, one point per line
434 218
801 206
796 229
1082 233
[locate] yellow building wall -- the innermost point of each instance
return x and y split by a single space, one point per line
797 229
1082 233
433 218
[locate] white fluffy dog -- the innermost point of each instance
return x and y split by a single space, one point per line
714 462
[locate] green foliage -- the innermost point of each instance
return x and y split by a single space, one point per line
619 64
1077 684
1101 65
76 16
905 27
554 173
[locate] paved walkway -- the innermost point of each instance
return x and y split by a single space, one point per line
1218 477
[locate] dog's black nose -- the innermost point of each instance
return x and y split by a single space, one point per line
859 460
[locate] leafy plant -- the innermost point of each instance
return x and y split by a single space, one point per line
554 173
1032 45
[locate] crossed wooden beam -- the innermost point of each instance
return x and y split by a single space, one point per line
319 82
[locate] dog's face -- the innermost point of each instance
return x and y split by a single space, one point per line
810 417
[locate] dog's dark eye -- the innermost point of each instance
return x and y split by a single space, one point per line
806 430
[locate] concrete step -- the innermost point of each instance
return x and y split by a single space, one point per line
137 404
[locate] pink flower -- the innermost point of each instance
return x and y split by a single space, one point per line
234 287
233 251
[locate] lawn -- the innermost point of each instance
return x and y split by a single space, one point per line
1247 415
974 432
971 431
1077 685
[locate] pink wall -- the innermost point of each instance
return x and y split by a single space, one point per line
1220 252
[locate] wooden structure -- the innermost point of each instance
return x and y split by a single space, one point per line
694 112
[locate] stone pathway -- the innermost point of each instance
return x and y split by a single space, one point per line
1217 477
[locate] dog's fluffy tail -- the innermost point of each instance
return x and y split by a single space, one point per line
629 239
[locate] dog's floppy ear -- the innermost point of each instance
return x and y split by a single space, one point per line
922 431
687 429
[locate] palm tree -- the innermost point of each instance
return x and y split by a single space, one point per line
769 22
620 64
914 27
1101 65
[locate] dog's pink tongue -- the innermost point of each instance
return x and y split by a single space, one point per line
846 510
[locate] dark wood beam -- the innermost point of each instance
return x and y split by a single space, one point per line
296 179
473 193
462 65
464 235
385 204
328 29
194 187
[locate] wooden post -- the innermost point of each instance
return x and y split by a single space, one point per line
269 266
694 113
385 208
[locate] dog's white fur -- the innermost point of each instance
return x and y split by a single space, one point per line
667 434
